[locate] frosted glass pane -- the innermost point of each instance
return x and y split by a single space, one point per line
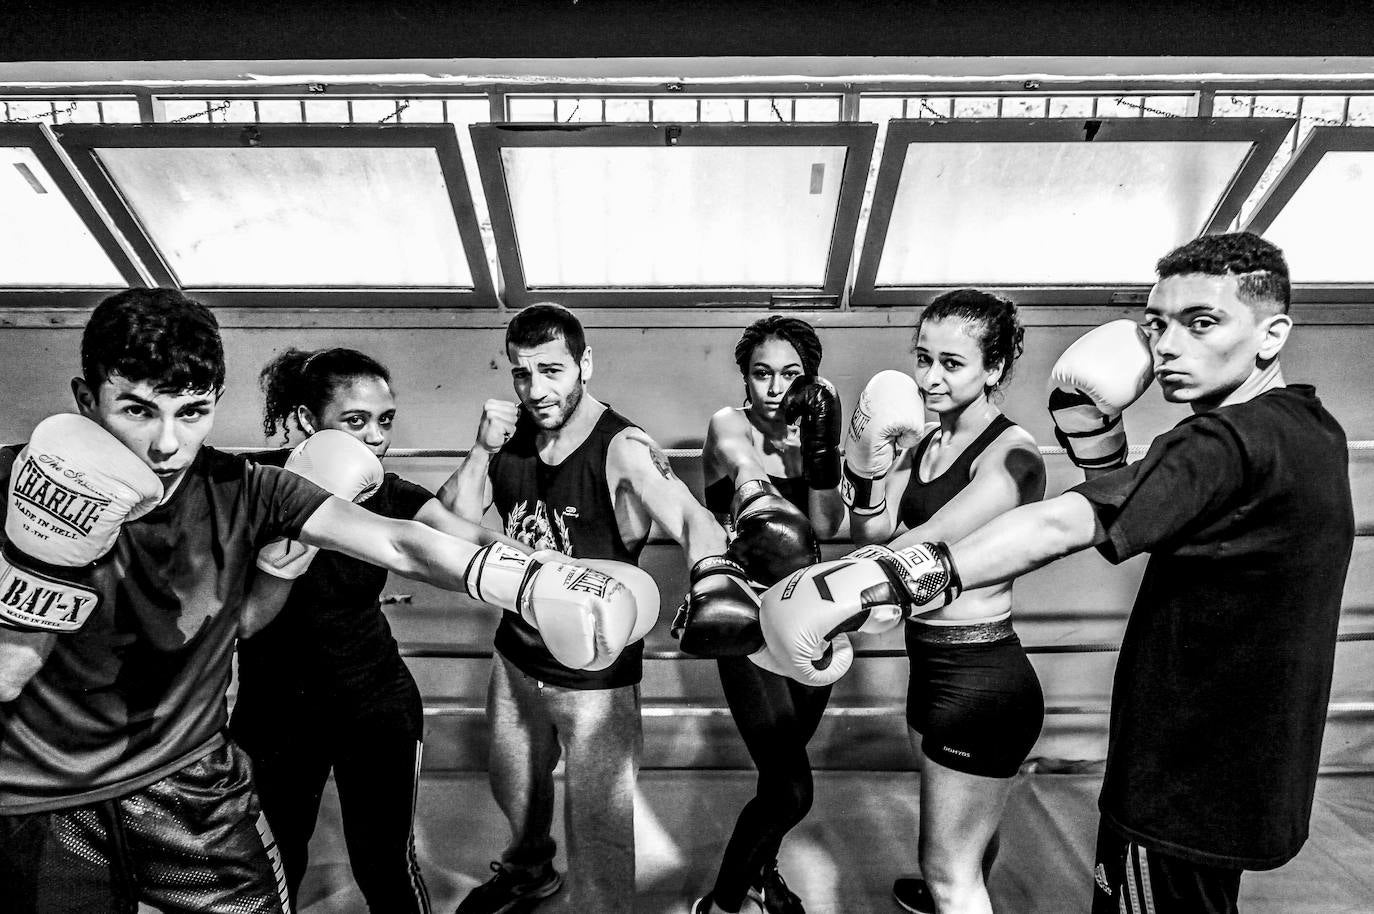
43 242
1323 228
1049 212
292 217
879 109
685 216
326 111
120 112
627 109
423 111
817 109
279 111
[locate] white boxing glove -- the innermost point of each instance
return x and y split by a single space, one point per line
641 584
889 415
341 465
806 617
1104 371
584 616
71 488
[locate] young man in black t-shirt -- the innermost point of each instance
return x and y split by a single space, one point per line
129 552
1225 669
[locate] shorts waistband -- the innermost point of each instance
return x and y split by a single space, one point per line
983 631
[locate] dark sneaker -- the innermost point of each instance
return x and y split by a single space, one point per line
510 889
912 894
777 897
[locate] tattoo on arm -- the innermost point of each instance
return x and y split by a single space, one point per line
660 460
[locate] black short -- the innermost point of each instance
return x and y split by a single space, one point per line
1129 879
194 841
978 706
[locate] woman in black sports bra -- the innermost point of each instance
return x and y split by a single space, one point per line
775 715
974 704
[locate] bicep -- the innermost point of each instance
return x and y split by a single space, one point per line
642 468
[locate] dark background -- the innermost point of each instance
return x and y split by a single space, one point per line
33 30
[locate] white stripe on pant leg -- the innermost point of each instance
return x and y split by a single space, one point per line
1145 889
417 884
1132 888
269 845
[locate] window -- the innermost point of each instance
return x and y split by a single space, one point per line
1044 202
50 234
219 208
1318 208
690 214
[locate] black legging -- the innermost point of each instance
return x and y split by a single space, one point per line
375 765
777 717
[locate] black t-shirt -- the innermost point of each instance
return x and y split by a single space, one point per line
330 650
1222 684
138 691
567 508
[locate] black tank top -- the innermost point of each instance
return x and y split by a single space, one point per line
567 508
720 495
921 500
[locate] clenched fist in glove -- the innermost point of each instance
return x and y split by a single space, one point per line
342 466
1098 376
584 616
71 488
889 416
812 405
810 614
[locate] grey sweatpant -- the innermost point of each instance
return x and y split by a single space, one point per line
599 734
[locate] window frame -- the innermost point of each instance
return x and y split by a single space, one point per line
81 143
39 139
1319 141
1265 135
489 140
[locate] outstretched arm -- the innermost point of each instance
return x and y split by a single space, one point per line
1025 538
635 465
406 547
434 514
268 593
729 449
1009 473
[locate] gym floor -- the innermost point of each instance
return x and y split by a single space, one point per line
860 834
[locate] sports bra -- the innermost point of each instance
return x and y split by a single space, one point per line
921 500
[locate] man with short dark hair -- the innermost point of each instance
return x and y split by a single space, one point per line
567 473
1244 507
129 552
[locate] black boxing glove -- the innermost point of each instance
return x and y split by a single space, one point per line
812 404
772 538
720 617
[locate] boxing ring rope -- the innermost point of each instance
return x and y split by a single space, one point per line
456 708
439 651
686 453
